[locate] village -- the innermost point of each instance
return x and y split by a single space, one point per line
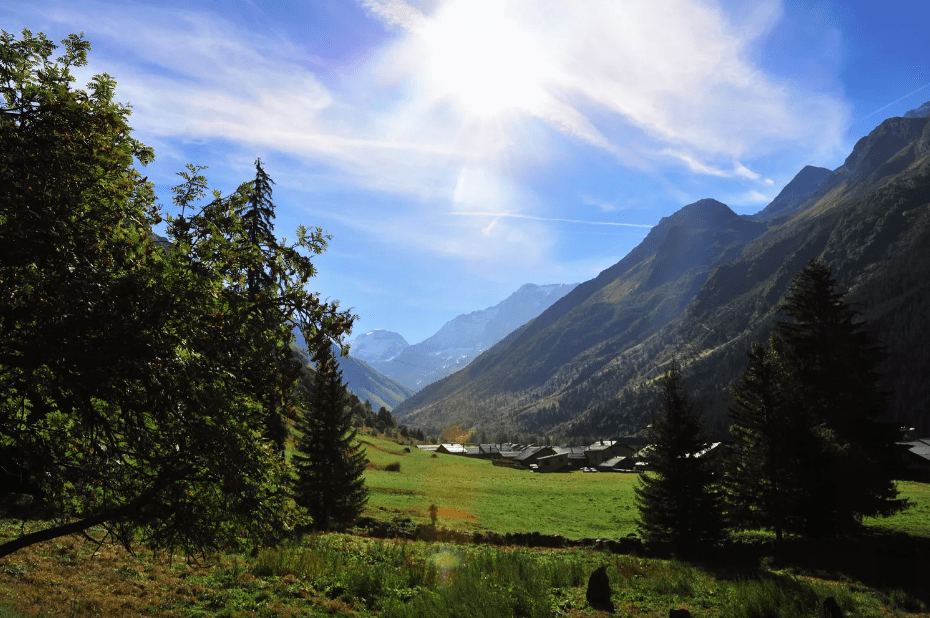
627 454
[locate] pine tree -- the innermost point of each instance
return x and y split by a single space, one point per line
329 464
262 281
835 363
762 477
678 500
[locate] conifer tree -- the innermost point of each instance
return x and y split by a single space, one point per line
762 478
678 499
329 464
836 366
263 280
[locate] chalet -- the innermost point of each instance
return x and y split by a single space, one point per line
428 447
618 464
577 459
557 462
531 454
472 451
601 451
489 451
508 452
451 449
916 456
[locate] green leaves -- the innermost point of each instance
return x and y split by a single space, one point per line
137 381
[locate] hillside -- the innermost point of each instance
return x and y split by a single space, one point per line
701 286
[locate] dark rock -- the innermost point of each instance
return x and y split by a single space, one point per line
829 608
598 594
679 613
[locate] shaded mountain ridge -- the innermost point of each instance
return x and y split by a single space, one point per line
701 286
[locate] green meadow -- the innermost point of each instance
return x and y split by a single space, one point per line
351 575
474 495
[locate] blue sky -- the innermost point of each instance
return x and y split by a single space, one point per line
457 149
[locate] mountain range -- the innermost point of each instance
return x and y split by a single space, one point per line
458 342
702 286
359 377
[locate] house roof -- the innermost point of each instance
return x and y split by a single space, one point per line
573 452
612 462
472 450
427 447
706 450
457 449
920 448
601 445
530 451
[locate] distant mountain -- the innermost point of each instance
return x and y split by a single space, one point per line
378 346
701 286
366 382
920 112
458 342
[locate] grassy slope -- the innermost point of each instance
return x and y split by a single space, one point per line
473 494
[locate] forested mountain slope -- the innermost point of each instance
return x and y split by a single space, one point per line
701 286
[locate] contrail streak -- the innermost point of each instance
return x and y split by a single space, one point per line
532 218
881 109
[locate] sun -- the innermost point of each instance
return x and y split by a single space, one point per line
482 60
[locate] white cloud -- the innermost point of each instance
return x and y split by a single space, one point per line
468 95
674 74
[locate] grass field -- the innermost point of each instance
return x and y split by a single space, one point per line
472 494
346 575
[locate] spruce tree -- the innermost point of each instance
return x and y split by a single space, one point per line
762 478
835 364
329 464
678 499
263 280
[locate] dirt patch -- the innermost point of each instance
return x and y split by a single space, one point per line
454 514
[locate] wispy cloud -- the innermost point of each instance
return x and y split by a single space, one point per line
456 126
512 215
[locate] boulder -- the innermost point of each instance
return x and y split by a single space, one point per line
598 594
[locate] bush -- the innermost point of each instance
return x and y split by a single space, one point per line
392 467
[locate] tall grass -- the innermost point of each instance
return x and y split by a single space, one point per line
401 579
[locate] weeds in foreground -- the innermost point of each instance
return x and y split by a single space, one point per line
343 575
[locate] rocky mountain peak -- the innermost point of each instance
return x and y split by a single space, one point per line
378 345
920 112
799 190
883 143
703 214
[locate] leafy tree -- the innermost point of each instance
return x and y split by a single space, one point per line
329 463
678 500
770 437
129 397
836 369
